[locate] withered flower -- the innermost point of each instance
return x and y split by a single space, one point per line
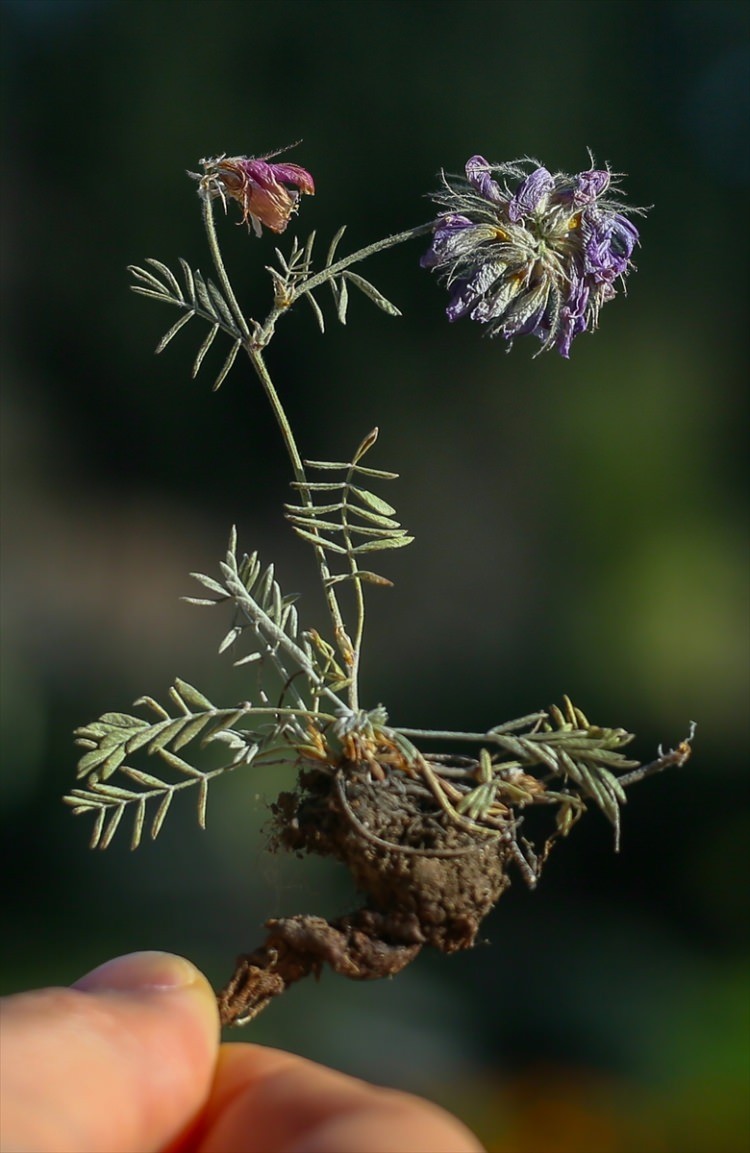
260 188
526 251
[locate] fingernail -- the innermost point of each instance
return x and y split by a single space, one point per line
140 971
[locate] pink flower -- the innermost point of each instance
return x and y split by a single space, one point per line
259 188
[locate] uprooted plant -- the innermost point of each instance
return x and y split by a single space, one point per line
430 837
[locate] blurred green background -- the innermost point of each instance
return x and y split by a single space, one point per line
579 524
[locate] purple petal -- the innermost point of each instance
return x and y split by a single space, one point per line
590 185
430 259
294 174
448 229
573 316
270 176
259 172
496 303
527 315
529 196
625 236
461 301
469 292
477 173
609 240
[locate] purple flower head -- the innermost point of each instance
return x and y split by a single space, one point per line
525 251
261 189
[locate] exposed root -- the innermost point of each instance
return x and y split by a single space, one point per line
425 882
355 946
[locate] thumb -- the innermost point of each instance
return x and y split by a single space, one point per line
121 1061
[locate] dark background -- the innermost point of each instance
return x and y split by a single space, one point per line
579 524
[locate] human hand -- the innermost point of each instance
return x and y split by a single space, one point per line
128 1059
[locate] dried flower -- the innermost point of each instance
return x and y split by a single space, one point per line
258 187
531 252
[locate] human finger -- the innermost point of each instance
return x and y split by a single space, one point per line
266 1101
123 1060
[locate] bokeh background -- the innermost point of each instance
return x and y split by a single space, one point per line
579 524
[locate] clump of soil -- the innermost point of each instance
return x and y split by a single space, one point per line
428 843
426 880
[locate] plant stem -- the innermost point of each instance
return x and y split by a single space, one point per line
664 761
349 650
221 272
358 595
361 254
258 363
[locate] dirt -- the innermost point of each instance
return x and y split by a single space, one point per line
428 842
425 881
